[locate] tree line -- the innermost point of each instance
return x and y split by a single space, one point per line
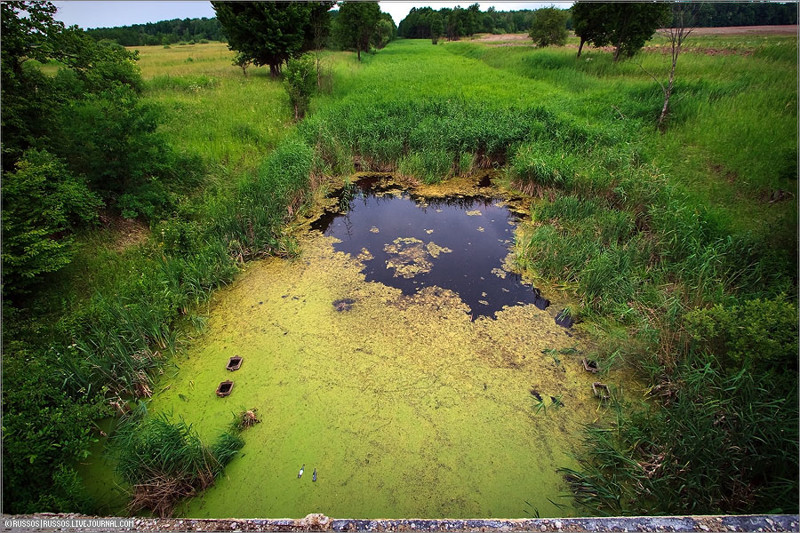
162 33
452 23
457 22
325 29
711 15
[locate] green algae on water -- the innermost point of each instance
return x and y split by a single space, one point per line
403 405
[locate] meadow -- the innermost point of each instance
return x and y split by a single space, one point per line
676 249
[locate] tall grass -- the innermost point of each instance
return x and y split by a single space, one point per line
165 462
250 221
210 109
120 342
723 441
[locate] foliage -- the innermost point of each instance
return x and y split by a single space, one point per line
384 32
249 223
419 22
549 26
242 61
45 430
71 138
646 230
89 117
589 22
626 26
759 335
460 22
745 14
436 28
356 24
301 81
267 33
164 32
42 201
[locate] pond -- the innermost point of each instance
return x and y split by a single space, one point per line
400 358
457 243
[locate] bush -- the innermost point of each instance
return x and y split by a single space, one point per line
549 26
42 203
758 334
44 428
301 82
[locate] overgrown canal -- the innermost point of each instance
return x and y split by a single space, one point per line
400 358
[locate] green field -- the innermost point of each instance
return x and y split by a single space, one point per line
675 250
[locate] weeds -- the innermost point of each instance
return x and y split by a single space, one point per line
165 462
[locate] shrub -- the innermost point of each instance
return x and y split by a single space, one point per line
42 202
301 82
758 334
43 427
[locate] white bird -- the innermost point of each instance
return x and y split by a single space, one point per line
300 474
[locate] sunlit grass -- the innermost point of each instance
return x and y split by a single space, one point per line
212 109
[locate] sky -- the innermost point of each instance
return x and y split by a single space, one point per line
100 14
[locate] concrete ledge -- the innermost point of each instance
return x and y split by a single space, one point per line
318 522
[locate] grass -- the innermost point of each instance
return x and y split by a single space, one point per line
165 462
211 110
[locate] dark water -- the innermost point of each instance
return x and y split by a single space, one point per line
478 244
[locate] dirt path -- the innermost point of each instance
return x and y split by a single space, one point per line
516 39
789 29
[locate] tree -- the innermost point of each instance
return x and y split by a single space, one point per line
385 31
455 18
549 26
472 19
683 17
320 29
589 20
626 26
268 33
242 61
74 138
436 27
356 24
30 99
42 200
